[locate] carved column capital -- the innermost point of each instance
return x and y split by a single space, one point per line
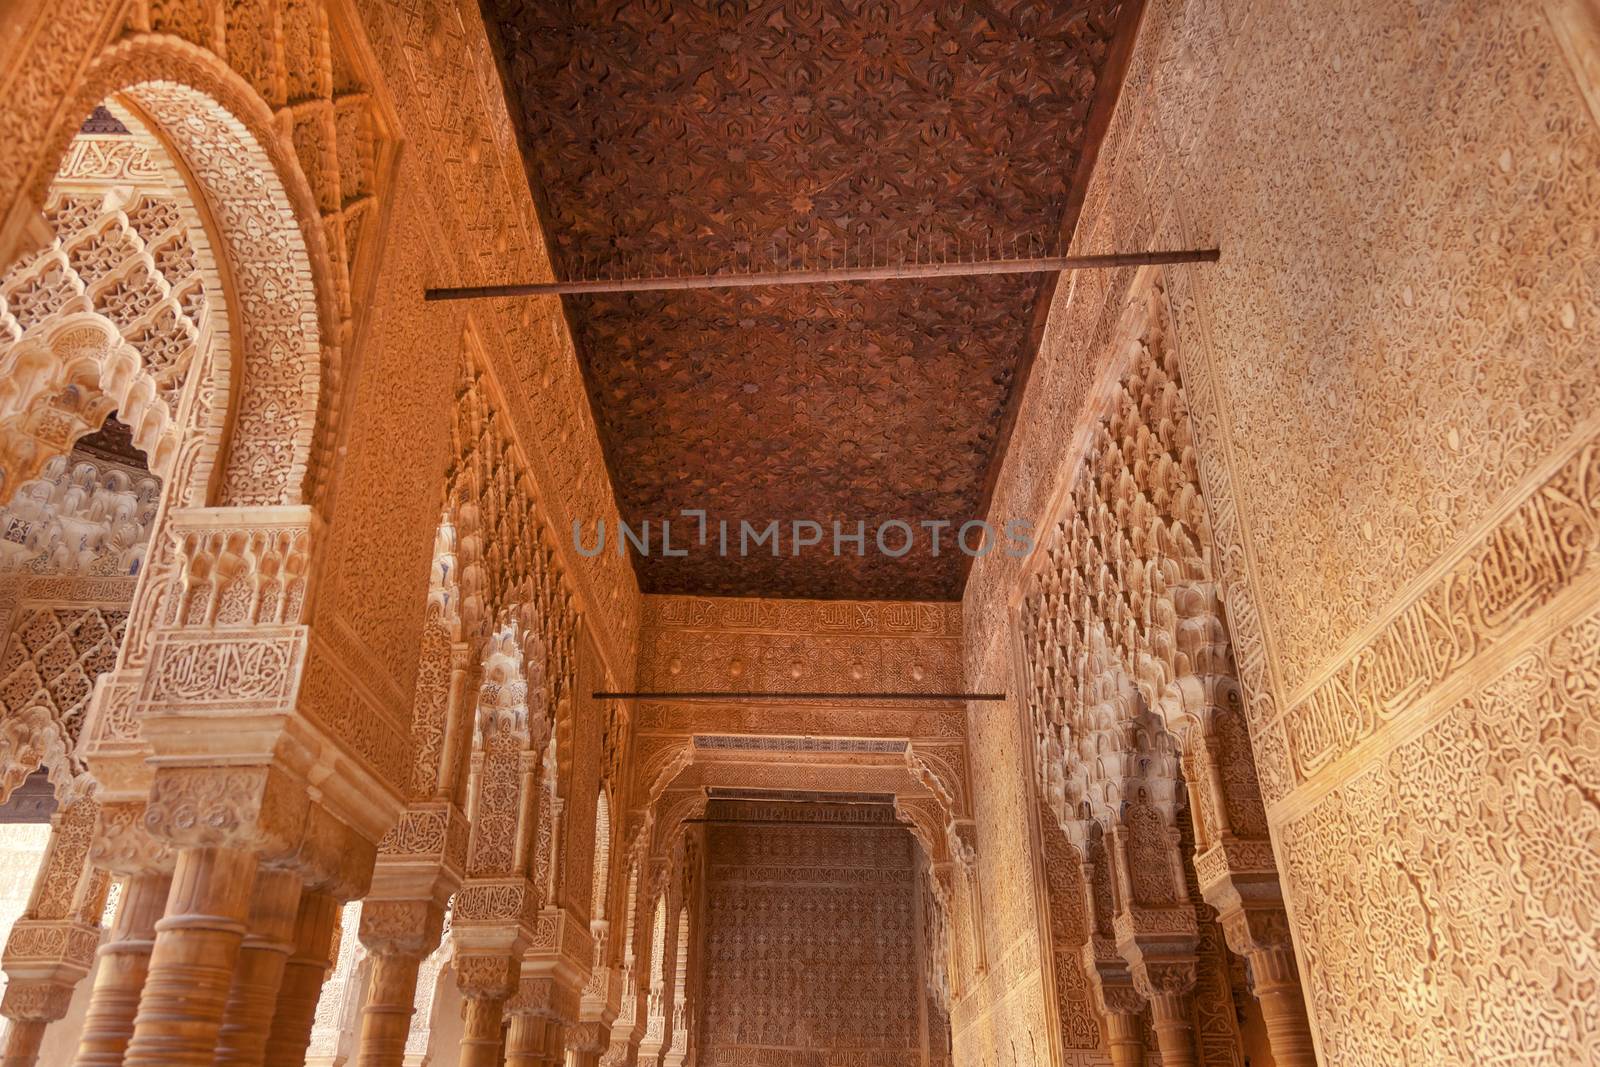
36 1000
1249 929
486 977
1110 979
248 808
401 927
1158 978
588 1038
1273 968
124 844
264 810
544 996
1160 945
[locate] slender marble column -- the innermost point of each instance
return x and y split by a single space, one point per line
526 1041
399 934
124 962
481 1039
486 983
585 1042
391 999
51 946
1125 1040
23 1038
1276 983
303 975
1249 905
247 1020
555 1043
1174 1027
192 963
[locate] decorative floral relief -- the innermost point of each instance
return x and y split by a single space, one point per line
1416 911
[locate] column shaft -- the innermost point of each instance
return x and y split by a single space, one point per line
535 1041
1276 983
555 1043
192 963
253 998
1174 1027
23 1037
303 976
386 1019
124 962
1124 1040
46 953
525 1040
481 1038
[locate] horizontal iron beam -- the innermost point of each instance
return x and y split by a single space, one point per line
802 822
714 694
826 276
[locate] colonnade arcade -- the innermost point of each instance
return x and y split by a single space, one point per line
257 858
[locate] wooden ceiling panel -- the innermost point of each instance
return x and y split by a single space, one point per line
669 135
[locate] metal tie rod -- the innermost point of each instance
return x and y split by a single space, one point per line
717 694
1035 265
844 825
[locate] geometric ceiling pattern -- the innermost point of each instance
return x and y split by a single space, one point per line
675 135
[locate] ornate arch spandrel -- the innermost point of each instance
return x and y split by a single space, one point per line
270 255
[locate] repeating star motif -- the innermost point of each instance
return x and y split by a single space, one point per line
669 136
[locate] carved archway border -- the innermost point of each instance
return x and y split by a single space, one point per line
276 339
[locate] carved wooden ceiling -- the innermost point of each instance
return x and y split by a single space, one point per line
669 134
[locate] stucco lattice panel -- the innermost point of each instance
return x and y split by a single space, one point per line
811 953
734 644
107 317
52 656
1447 890
392 470
482 227
1428 365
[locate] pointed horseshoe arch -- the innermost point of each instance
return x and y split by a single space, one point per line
269 269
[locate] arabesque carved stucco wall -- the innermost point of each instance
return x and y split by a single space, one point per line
1392 376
